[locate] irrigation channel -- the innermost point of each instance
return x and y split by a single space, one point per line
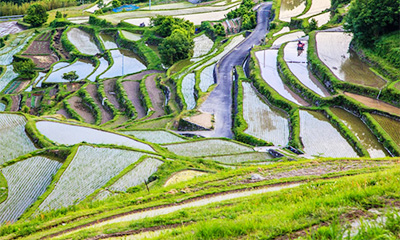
158 211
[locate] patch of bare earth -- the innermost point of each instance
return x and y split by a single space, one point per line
16 99
203 119
58 45
64 112
43 61
109 88
132 89
156 95
79 107
105 115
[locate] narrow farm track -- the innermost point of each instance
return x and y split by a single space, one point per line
219 102
169 208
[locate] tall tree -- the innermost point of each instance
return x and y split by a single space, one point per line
369 19
36 15
176 47
70 76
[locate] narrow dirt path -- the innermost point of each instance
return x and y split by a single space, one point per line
156 95
165 209
105 115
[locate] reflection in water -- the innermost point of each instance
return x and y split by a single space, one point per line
125 62
82 67
83 41
362 132
291 8
374 103
102 67
319 137
297 63
188 83
333 50
262 120
269 72
108 41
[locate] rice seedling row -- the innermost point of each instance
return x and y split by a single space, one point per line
83 41
71 134
263 121
320 138
27 180
159 136
90 169
13 139
391 127
138 175
242 158
202 45
207 147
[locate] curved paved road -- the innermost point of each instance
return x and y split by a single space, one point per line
219 102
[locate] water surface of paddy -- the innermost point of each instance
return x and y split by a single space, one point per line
100 69
82 67
288 38
83 41
391 127
320 138
297 63
125 62
317 6
108 41
333 50
131 36
291 8
264 121
362 132
374 103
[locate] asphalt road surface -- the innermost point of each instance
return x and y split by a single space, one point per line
219 102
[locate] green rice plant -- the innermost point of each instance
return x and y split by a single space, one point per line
155 136
202 45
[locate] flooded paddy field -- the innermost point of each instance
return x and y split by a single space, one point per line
100 69
345 64
317 6
294 36
202 45
83 41
82 67
131 36
362 132
188 83
125 62
282 31
291 8
268 64
374 103
207 77
391 127
108 41
10 28
297 63
320 138
263 121
321 19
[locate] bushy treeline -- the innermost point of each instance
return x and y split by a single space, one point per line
12 8
245 11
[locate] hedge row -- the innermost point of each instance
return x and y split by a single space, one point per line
277 100
289 79
93 20
239 123
346 132
383 137
89 102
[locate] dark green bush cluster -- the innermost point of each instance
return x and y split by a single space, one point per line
213 30
93 20
245 11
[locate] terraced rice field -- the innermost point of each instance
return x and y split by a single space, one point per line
345 65
183 176
13 140
362 132
27 180
79 106
2 107
209 147
9 28
157 136
263 121
202 45
71 134
391 127
188 83
242 158
82 67
374 103
106 115
320 138
297 63
322 19
288 38
83 41
138 175
170 6
100 69
317 6
269 72
207 78
132 89
282 31
90 169
291 8
108 41
131 36
125 62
